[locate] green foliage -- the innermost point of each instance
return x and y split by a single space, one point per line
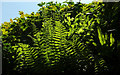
62 38
0 34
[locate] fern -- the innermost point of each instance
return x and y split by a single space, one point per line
24 57
50 42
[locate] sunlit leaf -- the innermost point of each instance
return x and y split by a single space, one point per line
11 20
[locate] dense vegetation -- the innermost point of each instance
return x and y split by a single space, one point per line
63 38
0 34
